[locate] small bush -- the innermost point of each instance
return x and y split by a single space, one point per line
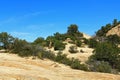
78 43
75 64
100 66
73 49
59 45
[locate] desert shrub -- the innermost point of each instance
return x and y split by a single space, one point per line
92 43
26 51
86 41
48 54
59 57
40 41
18 45
84 67
81 51
78 43
58 45
107 52
100 66
75 64
73 49
29 50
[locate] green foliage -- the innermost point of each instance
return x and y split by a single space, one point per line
58 45
115 22
114 39
105 29
40 41
73 49
6 40
48 54
92 43
78 43
76 65
73 28
86 41
50 41
60 37
73 32
18 45
107 52
100 66
60 57
27 50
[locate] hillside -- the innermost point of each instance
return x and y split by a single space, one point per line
114 30
79 55
13 67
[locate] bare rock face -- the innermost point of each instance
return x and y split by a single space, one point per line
115 30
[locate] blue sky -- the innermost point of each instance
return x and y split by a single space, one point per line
29 19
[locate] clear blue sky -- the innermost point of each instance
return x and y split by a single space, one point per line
29 19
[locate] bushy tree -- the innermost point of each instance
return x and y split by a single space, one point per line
100 66
58 45
6 40
114 39
73 28
78 43
107 52
18 45
115 22
92 43
60 37
40 41
74 32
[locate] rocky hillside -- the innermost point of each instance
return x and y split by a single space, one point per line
13 67
114 30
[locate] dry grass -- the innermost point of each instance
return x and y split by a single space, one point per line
13 67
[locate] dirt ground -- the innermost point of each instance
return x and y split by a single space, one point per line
13 67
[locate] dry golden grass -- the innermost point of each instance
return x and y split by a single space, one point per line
13 67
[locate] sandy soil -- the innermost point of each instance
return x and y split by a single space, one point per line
79 55
13 67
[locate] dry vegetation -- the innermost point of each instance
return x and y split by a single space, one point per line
13 67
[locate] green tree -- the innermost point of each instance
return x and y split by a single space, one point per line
115 39
6 40
107 52
115 22
100 66
18 45
73 28
58 45
59 36
78 43
40 41
92 43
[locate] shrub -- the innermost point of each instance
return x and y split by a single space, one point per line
100 66
78 43
75 64
92 43
73 49
48 54
59 45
